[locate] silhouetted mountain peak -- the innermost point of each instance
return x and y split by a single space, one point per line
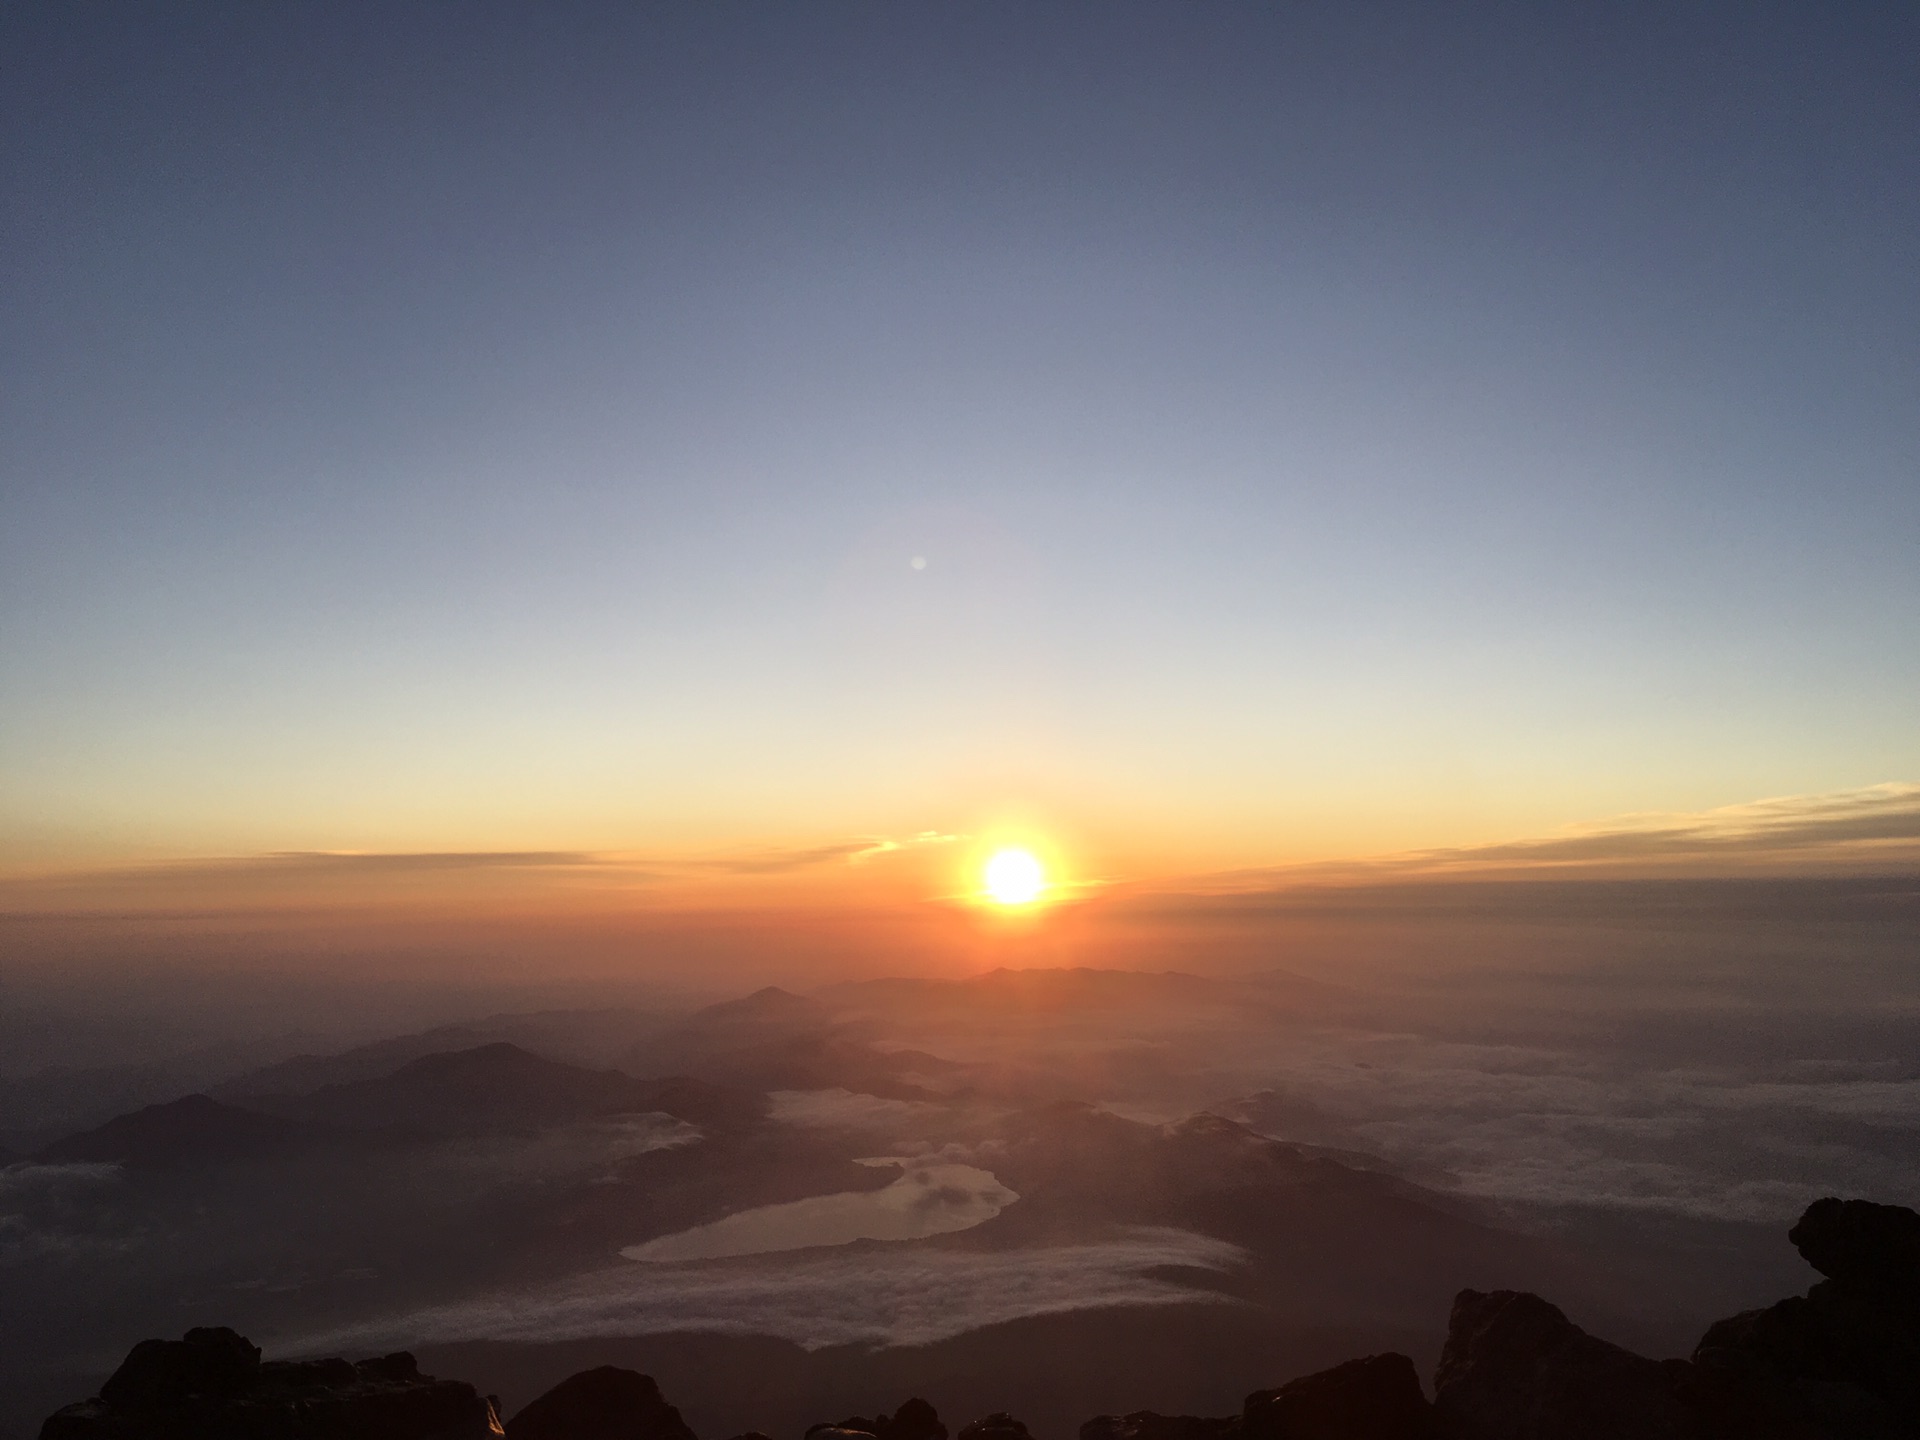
769 1005
195 1129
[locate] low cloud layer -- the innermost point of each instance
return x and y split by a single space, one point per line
1546 1125
871 1295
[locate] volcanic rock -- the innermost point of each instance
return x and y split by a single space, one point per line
914 1420
1515 1368
206 1361
212 1385
604 1404
997 1426
1862 1245
1376 1398
1844 1359
1148 1425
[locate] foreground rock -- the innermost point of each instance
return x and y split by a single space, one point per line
914 1420
997 1426
1841 1360
1378 1398
604 1404
1515 1368
1147 1425
212 1385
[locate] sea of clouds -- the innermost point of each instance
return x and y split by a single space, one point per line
864 1294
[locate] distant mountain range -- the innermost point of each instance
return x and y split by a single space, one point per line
486 1088
501 1086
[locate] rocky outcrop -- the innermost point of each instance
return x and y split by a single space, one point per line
1147 1425
914 1420
1515 1368
1841 1362
213 1385
997 1426
1377 1398
1843 1359
1867 1247
604 1404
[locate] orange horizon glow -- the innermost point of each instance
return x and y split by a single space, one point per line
1868 830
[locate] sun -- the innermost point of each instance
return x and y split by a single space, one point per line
1015 877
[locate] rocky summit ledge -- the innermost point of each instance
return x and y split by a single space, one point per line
213 1385
1841 1362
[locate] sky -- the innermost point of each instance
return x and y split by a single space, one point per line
1195 438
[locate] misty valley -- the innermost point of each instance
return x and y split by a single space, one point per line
1053 1192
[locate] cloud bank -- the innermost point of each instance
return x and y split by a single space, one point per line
863 1295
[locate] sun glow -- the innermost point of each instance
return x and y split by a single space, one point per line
1015 877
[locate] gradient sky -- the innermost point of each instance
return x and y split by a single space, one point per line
1328 428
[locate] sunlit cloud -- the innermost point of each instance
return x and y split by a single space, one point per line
1881 821
1875 829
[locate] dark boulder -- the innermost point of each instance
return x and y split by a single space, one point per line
1841 1360
212 1385
604 1404
914 1420
1862 1245
1377 1398
208 1361
997 1426
1147 1425
1728 1398
1515 1368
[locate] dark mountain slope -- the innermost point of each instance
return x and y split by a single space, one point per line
502 1087
195 1130
577 1037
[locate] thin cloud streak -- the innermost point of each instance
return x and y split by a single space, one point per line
1875 829
289 871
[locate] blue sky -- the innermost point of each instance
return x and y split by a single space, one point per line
1328 428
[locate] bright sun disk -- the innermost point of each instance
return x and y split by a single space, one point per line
1015 877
